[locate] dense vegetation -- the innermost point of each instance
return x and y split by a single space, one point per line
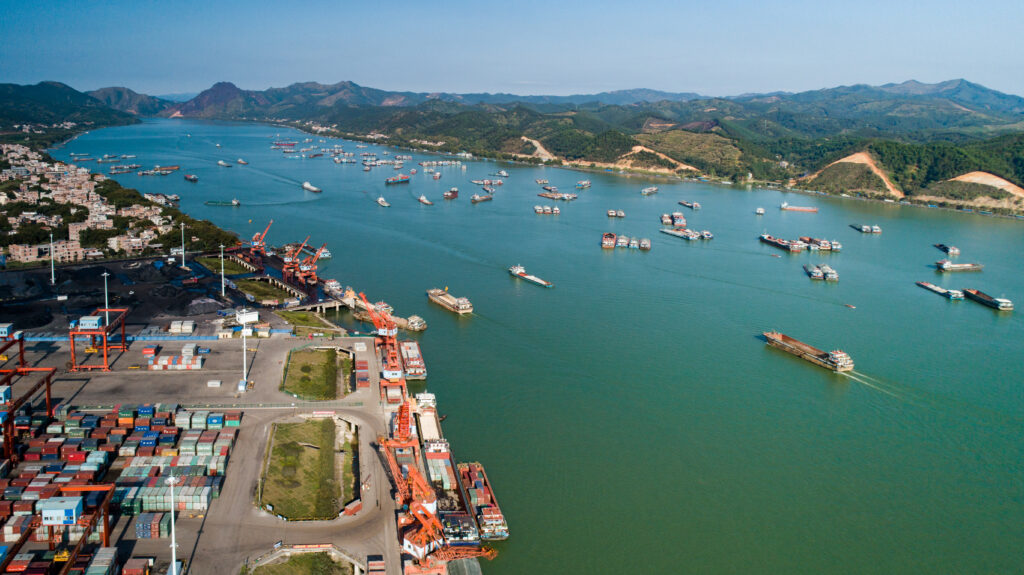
844 177
53 103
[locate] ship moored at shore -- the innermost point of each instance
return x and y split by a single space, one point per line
478 497
838 361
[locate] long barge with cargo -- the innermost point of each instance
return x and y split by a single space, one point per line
953 294
998 303
948 266
441 297
478 496
837 360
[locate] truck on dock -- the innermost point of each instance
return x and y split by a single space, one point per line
838 361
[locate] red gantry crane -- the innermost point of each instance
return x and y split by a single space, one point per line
392 372
424 539
307 269
99 338
290 269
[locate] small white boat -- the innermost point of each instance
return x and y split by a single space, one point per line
382 202
423 200
242 162
223 164
759 211
310 188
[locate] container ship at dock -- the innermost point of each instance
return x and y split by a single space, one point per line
520 272
838 361
997 303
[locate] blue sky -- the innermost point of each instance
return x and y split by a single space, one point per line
714 47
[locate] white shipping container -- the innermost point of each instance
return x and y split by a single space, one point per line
213 383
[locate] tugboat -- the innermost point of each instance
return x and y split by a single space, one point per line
520 272
451 194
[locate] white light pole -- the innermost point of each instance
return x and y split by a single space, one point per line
174 540
53 271
245 362
222 270
182 244
106 298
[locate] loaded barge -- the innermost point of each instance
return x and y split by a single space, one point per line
999 303
948 266
441 297
479 499
954 294
520 272
838 361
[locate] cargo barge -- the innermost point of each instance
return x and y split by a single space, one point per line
954 294
519 271
789 246
441 297
998 303
838 361
814 272
478 496
691 205
399 179
822 244
412 359
948 266
788 208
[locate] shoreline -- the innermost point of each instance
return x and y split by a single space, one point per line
624 172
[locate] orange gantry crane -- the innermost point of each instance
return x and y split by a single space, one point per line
258 245
290 269
392 372
424 538
99 338
307 269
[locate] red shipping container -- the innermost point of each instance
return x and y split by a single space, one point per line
19 482
77 456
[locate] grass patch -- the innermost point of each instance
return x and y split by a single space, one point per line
302 319
965 191
846 177
261 290
306 564
704 151
231 267
312 374
348 471
300 481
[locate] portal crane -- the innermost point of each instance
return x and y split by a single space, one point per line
258 245
307 269
392 372
291 261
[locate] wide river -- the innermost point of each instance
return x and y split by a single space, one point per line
632 419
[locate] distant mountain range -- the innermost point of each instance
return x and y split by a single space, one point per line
921 134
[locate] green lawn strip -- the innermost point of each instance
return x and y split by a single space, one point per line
261 290
231 267
300 480
303 319
348 472
306 564
312 374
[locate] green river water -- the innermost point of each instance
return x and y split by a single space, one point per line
631 419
